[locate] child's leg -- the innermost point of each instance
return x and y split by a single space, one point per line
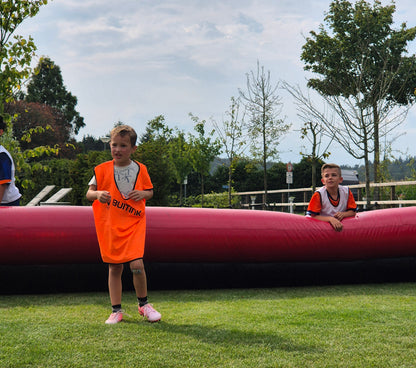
140 285
139 277
114 283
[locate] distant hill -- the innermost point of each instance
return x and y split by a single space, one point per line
400 169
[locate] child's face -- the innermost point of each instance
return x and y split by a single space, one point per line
331 178
121 150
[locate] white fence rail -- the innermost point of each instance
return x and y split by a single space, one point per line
255 199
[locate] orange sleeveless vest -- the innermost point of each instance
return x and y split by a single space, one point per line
120 224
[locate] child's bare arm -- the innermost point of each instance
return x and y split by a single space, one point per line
101 195
335 223
341 215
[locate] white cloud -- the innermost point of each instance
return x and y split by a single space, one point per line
133 60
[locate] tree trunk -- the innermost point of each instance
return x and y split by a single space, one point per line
367 182
202 190
367 174
230 171
313 175
376 167
264 162
180 194
314 160
265 182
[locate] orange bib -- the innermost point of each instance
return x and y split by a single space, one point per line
120 224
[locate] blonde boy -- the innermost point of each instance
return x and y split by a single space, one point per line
119 191
333 202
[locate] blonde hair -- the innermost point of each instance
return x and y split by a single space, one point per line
123 130
330 166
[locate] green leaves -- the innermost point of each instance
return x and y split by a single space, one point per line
203 148
46 86
16 52
358 46
364 74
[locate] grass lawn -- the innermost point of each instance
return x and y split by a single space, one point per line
325 326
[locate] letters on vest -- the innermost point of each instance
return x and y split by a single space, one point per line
125 207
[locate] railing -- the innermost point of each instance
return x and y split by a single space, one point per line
287 201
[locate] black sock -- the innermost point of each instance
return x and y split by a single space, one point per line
142 301
116 308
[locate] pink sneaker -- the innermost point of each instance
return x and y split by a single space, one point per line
114 318
150 313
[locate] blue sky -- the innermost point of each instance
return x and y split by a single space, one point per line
133 60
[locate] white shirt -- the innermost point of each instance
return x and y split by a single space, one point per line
125 177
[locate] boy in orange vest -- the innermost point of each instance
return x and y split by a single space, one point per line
119 191
333 202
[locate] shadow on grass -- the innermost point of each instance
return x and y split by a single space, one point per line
224 337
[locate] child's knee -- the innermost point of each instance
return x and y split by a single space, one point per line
115 268
137 267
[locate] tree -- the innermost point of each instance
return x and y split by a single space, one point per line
314 129
90 143
264 127
313 132
353 128
16 52
231 136
364 73
179 153
46 86
303 177
153 151
203 149
46 120
22 158
30 115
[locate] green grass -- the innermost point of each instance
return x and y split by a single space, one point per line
331 326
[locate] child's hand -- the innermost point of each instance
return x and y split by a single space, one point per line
337 225
137 195
103 196
339 216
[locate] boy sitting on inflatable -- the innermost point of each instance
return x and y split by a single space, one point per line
333 202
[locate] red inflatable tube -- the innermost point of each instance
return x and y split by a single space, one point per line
66 234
